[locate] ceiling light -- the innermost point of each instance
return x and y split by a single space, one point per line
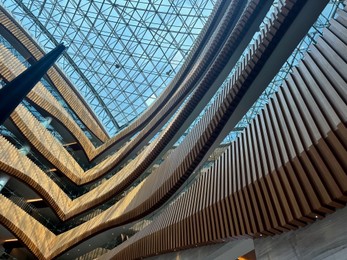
11 240
34 200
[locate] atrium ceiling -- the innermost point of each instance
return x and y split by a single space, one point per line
121 54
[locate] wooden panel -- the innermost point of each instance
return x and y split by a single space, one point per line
300 159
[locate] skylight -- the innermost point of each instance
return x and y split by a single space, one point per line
121 54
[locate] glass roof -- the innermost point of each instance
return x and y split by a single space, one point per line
121 54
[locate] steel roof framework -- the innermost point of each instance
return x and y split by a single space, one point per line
121 54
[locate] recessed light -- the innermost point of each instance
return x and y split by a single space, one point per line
11 240
34 200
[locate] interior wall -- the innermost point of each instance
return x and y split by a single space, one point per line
229 250
324 239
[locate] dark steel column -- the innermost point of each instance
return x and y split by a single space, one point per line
15 91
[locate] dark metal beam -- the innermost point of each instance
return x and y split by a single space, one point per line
72 63
15 91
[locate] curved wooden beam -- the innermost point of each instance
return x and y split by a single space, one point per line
287 168
233 42
199 142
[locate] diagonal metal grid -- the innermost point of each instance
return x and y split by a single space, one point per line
121 54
